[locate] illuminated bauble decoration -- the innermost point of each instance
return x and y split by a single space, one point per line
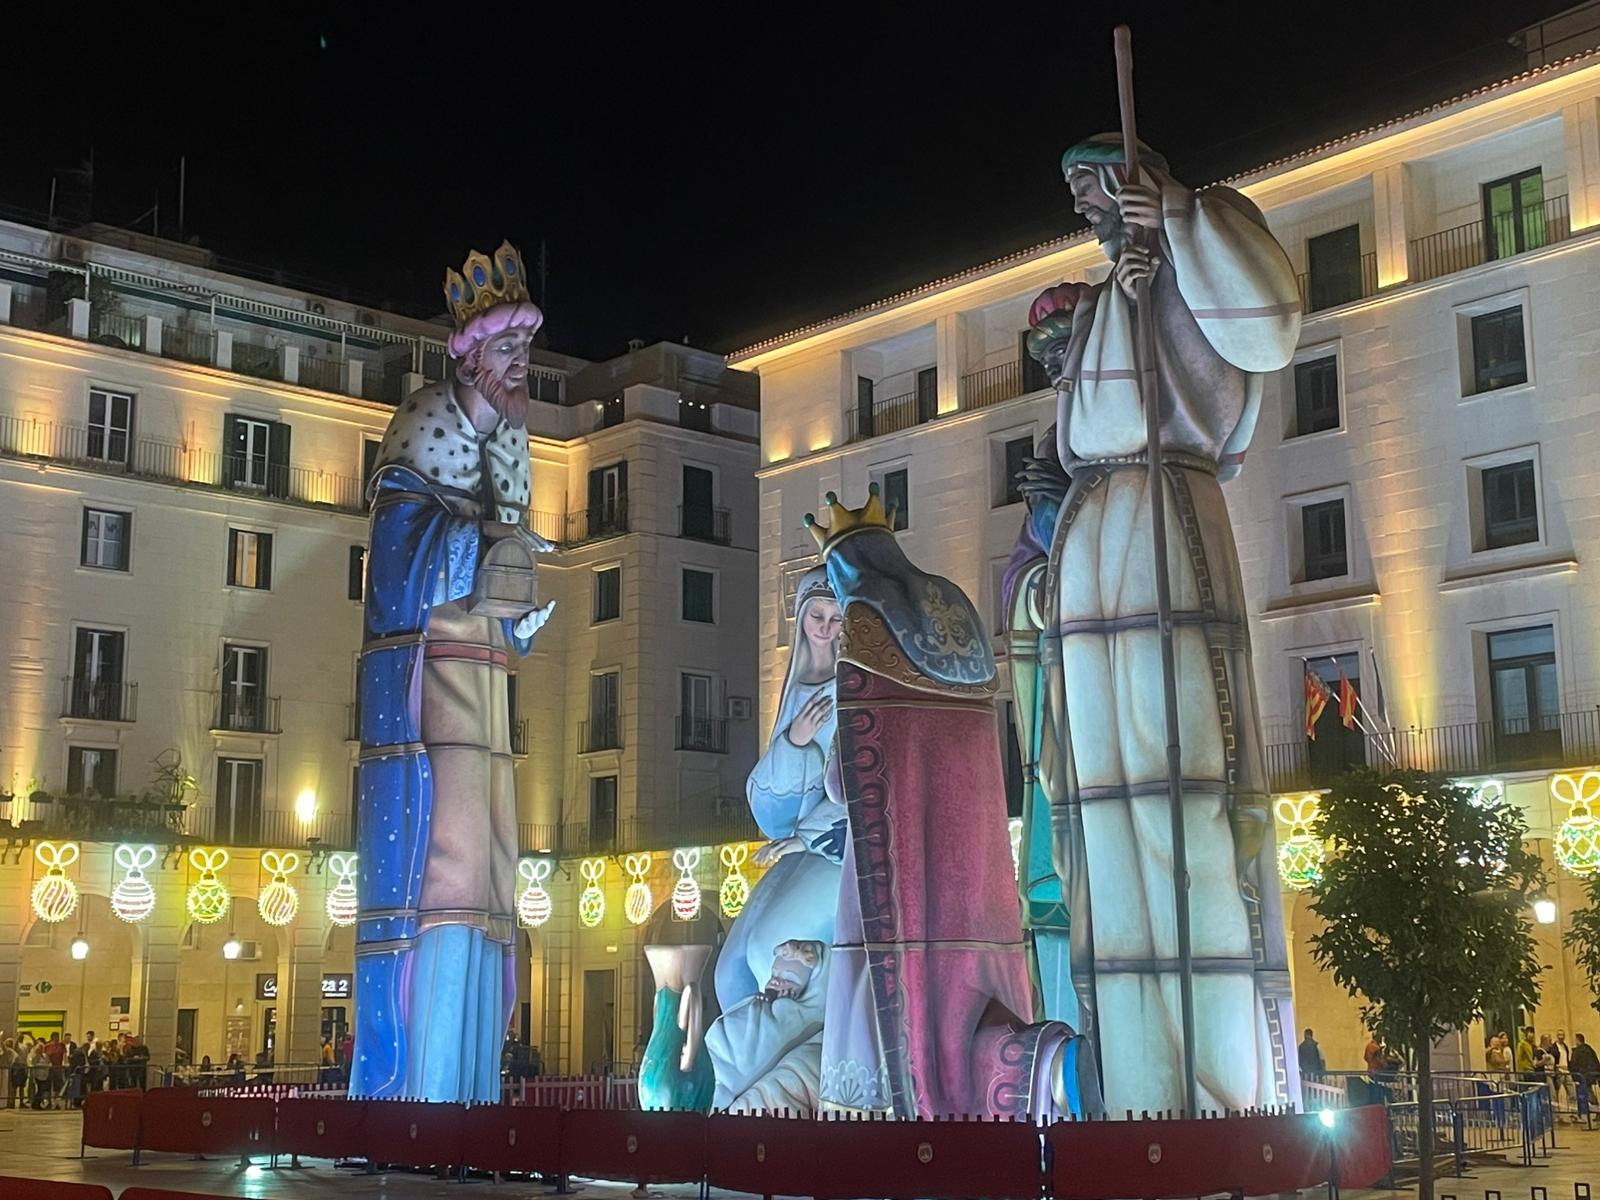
1301 855
686 892
638 903
207 899
735 889
533 906
133 899
592 901
278 901
55 897
1577 844
1014 828
343 904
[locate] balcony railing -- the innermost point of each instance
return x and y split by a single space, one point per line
99 699
993 385
270 829
519 736
705 524
186 344
601 521
325 374
703 733
1464 750
115 329
656 833
173 462
551 526
604 734
149 819
888 416
1317 293
258 362
1481 241
236 712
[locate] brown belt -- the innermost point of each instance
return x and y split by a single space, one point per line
466 652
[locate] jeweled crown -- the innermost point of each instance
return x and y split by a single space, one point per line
485 282
842 521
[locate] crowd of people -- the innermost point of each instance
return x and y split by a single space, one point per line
59 1071
518 1060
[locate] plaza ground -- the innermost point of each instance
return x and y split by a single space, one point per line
45 1146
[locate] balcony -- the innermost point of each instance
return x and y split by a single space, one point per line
519 737
994 385
268 830
244 712
1481 241
592 524
173 462
709 734
1465 750
604 734
152 819
656 833
1318 293
888 416
98 699
705 524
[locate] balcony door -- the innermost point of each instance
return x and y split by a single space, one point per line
1335 749
694 702
97 675
1523 689
110 427
603 812
698 514
238 801
608 499
605 691
244 678
927 394
1513 214
1335 263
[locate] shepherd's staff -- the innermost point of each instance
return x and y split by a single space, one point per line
1145 363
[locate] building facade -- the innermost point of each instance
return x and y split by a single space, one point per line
1418 505
184 452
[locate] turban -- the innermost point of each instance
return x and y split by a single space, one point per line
1051 316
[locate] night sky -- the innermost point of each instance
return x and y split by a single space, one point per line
719 174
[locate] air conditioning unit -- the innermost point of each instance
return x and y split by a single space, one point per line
249 951
317 308
739 708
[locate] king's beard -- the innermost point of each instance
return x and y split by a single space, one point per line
506 396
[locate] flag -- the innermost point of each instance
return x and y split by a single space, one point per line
1378 705
1347 701
1316 701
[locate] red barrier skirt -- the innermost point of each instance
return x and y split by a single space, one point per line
1280 1154
1146 1159
1361 1146
931 1160
495 1137
413 1133
322 1128
144 1193
111 1119
14 1187
179 1121
769 1156
645 1147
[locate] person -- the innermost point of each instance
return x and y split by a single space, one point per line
1225 313
770 1056
8 1060
1497 1057
437 805
207 1073
95 1074
137 1059
1560 1069
1527 1056
235 1070
325 1059
39 1072
56 1051
535 1062
347 1048
1311 1064
1373 1055
263 1068
77 1076
1585 1067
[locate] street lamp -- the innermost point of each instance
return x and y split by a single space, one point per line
80 948
1544 909
231 948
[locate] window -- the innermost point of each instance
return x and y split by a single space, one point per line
249 559
699 592
927 393
356 574
699 513
1522 689
106 538
369 460
1510 505
255 454
897 497
1335 749
608 500
238 801
1513 214
91 771
1322 528
698 728
1017 452
1034 376
1334 260
1499 353
244 676
109 435
607 594
602 812
96 692
604 731
865 423
1316 396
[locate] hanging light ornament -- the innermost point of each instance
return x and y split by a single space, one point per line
686 892
133 899
592 901
278 901
533 906
735 888
1301 854
1577 844
1014 828
638 904
55 897
207 899
343 904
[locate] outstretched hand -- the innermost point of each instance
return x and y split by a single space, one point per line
773 851
534 621
1042 479
813 715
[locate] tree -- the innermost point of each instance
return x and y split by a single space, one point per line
1425 900
1583 937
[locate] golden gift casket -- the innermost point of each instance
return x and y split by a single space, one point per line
507 582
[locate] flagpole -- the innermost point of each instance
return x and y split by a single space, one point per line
1373 733
1145 362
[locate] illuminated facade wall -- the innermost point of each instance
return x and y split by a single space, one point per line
1401 209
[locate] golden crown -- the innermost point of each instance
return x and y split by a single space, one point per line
485 282
845 521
